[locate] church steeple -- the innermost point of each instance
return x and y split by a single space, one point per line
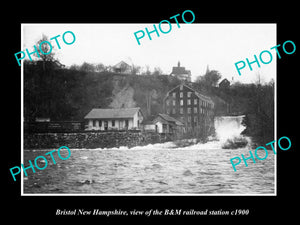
207 69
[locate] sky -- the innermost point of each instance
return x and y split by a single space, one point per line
195 45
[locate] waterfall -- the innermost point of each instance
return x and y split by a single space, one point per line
228 131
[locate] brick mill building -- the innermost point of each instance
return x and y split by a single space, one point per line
194 110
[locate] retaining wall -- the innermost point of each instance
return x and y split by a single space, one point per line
91 139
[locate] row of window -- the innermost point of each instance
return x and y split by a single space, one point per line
189 111
113 123
189 102
189 94
189 120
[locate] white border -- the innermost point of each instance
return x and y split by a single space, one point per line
75 194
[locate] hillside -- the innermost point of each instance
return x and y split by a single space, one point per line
65 94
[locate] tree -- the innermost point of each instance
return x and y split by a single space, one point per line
135 69
211 78
157 71
87 67
74 67
100 67
44 49
147 72
46 74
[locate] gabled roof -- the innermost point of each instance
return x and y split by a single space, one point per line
179 70
201 96
112 113
170 119
224 82
121 64
204 98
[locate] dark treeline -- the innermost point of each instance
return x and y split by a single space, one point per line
259 118
256 101
62 94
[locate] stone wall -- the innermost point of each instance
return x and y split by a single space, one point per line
91 139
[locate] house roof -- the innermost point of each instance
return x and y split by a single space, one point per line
224 82
111 113
201 96
178 70
170 119
121 64
204 98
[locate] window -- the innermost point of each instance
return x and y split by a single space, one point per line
189 110
174 94
174 102
195 121
195 110
94 123
113 123
173 111
181 102
126 123
167 102
181 94
181 87
189 101
164 128
100 123
195 101
181 110
189 119
189 94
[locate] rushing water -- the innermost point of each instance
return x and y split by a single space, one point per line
155 169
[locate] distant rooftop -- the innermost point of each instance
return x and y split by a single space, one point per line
170 119
111 113
180 70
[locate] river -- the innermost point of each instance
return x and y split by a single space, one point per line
156 169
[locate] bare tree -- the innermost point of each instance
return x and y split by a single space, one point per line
157 71
135 69
100 67
147 72
45 50
87 67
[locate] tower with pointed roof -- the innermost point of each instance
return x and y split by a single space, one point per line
181 73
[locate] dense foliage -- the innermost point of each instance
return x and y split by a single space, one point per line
63 94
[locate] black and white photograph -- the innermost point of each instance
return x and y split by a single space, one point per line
141 112
166 116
